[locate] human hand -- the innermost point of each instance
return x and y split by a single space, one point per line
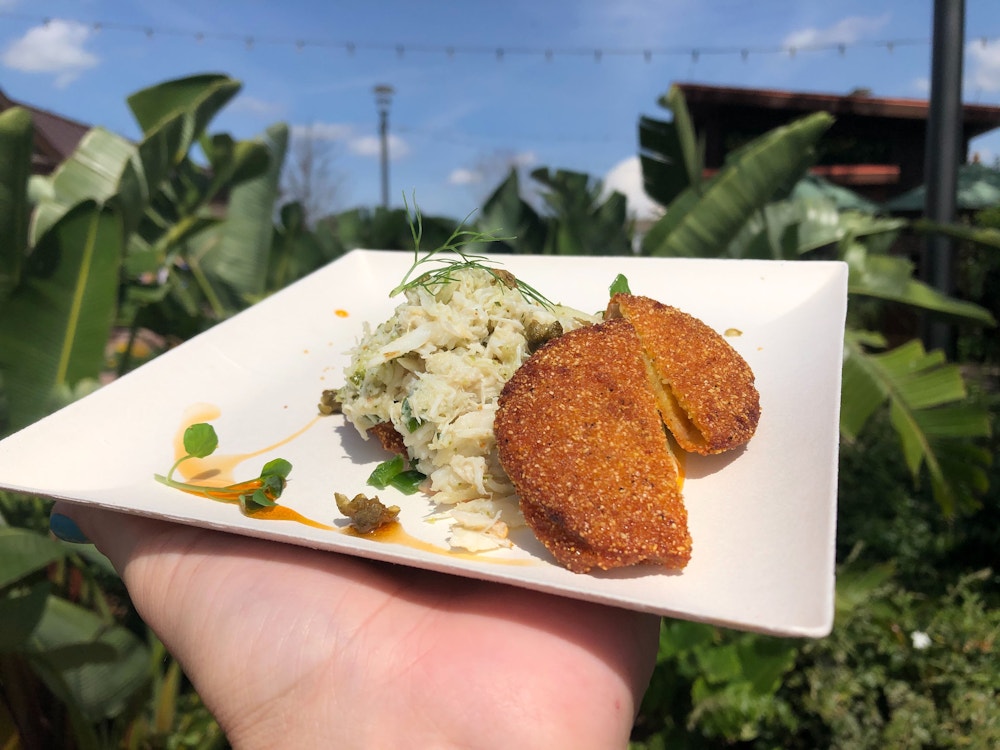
293 647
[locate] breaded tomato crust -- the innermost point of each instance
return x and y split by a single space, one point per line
705 389
578 432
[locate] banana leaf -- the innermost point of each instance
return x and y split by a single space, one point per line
232 162
173 116
505 213
929 411
234 255
199 97
671 154
581 222
106 166
91 172
93 666
788 229
295 250
705 225
16 146
24 552
890 277
20 613
54 326
984 236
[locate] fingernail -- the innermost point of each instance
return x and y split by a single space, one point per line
65 528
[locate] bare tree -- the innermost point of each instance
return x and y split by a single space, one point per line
310 176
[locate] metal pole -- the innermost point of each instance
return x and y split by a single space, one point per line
383 98
943 153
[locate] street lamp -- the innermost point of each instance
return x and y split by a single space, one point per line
383 98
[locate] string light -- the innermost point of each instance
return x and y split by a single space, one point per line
253 41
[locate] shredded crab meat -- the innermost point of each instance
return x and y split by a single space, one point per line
447 352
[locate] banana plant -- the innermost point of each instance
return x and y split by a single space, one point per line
54 325
746 210
51 646
159 201
75 245
232 257
580 220
16 135
706 215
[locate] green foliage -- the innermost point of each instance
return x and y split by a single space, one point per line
105 226
929 411
902 671
911 660
56 322
144 236
16 146
670 153
579 220
74 669
705 217
713 684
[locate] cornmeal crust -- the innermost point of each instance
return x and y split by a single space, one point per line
705 389
579 433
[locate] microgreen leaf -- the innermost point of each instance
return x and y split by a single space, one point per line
276 467
200 440
254 502
619 285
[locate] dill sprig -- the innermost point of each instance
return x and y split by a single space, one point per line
459 239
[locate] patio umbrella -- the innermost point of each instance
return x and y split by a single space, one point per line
978 188
814 186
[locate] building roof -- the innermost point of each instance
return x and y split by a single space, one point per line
978 119
55 136
875 146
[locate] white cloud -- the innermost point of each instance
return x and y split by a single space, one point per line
845 31
922 85
258 107
56 47
465 177
371 145
524 159
323 131
626 178
984 68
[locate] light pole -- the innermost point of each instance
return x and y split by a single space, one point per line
943 154
383 98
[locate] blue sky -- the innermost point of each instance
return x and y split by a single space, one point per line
479 85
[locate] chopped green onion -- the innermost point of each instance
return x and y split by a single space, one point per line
407 482
383 474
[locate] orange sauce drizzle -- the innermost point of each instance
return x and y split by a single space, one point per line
218 471
393 533
341 313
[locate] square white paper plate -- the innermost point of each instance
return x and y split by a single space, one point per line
763 519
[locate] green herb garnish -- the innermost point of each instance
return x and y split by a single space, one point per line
619 285
412 422
459 239
200 440
393 473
